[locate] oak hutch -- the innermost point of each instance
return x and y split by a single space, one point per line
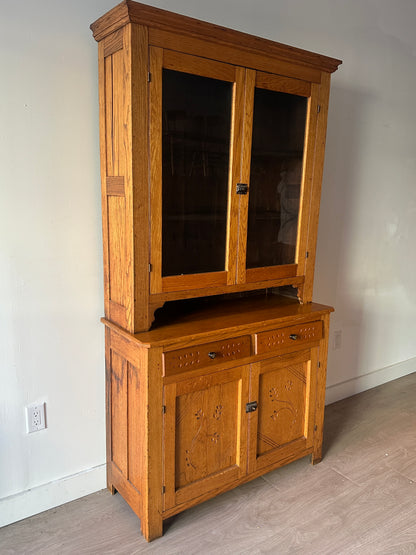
212 149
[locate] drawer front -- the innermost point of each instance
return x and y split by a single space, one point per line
292 336
206 355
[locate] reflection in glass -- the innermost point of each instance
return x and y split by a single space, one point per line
275 177
195 157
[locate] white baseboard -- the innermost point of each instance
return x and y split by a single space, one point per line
47 496
356 385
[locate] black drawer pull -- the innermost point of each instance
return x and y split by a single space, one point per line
212 354
294 336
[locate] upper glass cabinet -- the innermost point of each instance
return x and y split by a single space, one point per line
228 149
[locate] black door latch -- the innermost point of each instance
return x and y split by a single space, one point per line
251 407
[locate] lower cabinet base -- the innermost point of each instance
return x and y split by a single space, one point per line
192 415
152 527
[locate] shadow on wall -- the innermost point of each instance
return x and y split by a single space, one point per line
336 280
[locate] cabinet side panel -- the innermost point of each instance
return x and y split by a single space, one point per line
119 389
117 252
126 407
135 425
104 70
117 222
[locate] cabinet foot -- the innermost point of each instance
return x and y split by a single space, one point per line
112 489
316 457
152 528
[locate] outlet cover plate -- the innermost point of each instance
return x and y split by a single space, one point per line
35 417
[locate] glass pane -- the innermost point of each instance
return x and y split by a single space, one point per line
195 157
275 177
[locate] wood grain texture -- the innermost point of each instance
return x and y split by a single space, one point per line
155 123
198 66
279 83
137 53
236 137
206 355
318 168
299 335
230 320
161 19
282 425
113 43
320 392
208 432
115 186
150 445
158 299
119 446
247 132
269 273
188 282
103 70
358 500
306 199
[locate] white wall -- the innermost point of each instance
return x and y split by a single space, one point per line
51 341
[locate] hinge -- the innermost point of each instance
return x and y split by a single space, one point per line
319 108
307 254
163 490
316 428
164 409
150 268
319 364
149 77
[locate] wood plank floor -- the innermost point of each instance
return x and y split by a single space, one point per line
361 499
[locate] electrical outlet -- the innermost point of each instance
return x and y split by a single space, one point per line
337 339
35 417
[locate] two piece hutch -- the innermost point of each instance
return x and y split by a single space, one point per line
212 149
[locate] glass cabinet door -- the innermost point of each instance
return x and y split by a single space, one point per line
192 116
278 147
196 118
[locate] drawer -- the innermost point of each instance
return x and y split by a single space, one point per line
292 336
208 354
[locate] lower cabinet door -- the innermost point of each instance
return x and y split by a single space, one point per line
205 434
282 427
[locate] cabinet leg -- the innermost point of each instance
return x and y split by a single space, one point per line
315 459
152 528
112 489
316 455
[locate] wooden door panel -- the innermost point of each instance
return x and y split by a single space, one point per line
205 434
281 416
205 443
282 426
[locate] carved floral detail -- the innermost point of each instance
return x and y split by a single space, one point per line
188 459
218 412
289 385
215 437
273 394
